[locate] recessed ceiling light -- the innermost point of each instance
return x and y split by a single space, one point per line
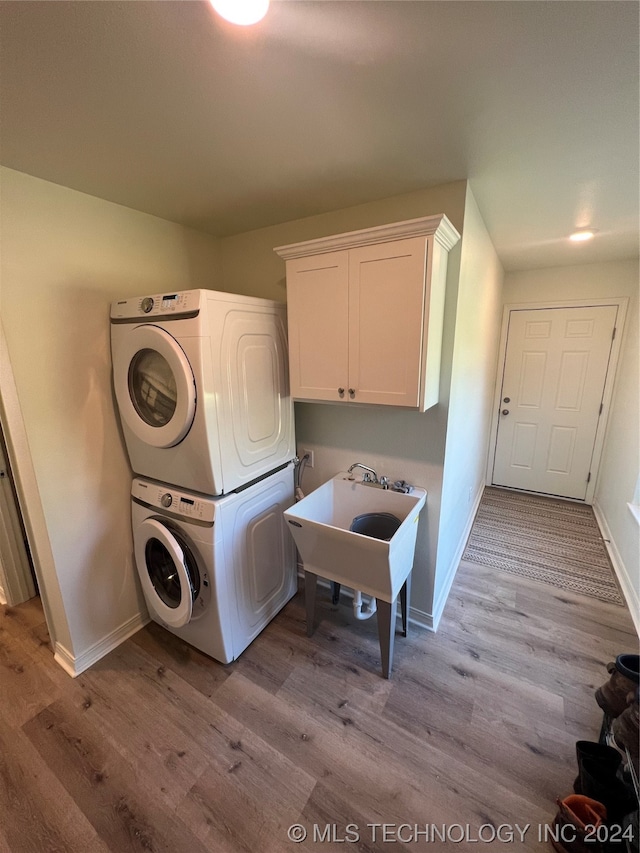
582 236
243 12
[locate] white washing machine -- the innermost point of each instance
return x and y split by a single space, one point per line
201 382
215 571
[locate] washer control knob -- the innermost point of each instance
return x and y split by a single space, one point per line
147 304
166 500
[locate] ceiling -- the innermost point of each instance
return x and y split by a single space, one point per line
162 107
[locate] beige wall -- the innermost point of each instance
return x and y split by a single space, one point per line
401 444
65 257
554 284
620 465
473 374
620 468
250 266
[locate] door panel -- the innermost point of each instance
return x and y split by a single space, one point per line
534 365
554 374
524 445
561 446
386 281
260 554
255 420
318 312
571 381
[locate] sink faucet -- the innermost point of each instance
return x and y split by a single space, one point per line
369 476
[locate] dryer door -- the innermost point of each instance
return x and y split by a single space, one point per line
154 386
168 572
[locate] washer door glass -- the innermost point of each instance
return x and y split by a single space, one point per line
154 386
168 572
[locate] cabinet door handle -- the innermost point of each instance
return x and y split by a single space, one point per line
352 393
341 392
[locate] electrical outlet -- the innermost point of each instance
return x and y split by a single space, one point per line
304 451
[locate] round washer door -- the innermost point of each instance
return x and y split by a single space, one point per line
154 386
168 572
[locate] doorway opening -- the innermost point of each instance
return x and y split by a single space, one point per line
17 574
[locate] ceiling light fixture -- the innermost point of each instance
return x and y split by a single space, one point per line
242 12
582 236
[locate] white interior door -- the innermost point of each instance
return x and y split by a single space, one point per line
16 581
555 369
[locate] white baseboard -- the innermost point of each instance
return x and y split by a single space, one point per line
439 605
421 618
65 659
630 595
73 665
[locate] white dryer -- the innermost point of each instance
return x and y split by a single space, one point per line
201 382
215 571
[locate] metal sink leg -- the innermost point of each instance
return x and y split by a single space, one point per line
405 598
310 585
386 633
387 624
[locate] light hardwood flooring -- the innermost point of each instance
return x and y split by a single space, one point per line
158 748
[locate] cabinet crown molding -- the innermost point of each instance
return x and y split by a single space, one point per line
438 227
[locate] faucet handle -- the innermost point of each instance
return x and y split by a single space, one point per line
384 482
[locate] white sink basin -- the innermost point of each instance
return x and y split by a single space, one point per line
320 525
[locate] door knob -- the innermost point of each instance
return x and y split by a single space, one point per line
341 392
352 393
507 400
505 411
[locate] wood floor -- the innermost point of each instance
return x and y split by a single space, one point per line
158 748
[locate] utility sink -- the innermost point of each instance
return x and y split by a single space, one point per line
320 525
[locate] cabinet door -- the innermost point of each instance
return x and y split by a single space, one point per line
318 315
386 312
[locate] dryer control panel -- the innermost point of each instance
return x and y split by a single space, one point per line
180 304
171 500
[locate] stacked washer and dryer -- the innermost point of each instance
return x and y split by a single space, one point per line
201 383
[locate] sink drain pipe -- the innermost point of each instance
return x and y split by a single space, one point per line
363 609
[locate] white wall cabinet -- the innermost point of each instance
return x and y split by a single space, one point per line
365 312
